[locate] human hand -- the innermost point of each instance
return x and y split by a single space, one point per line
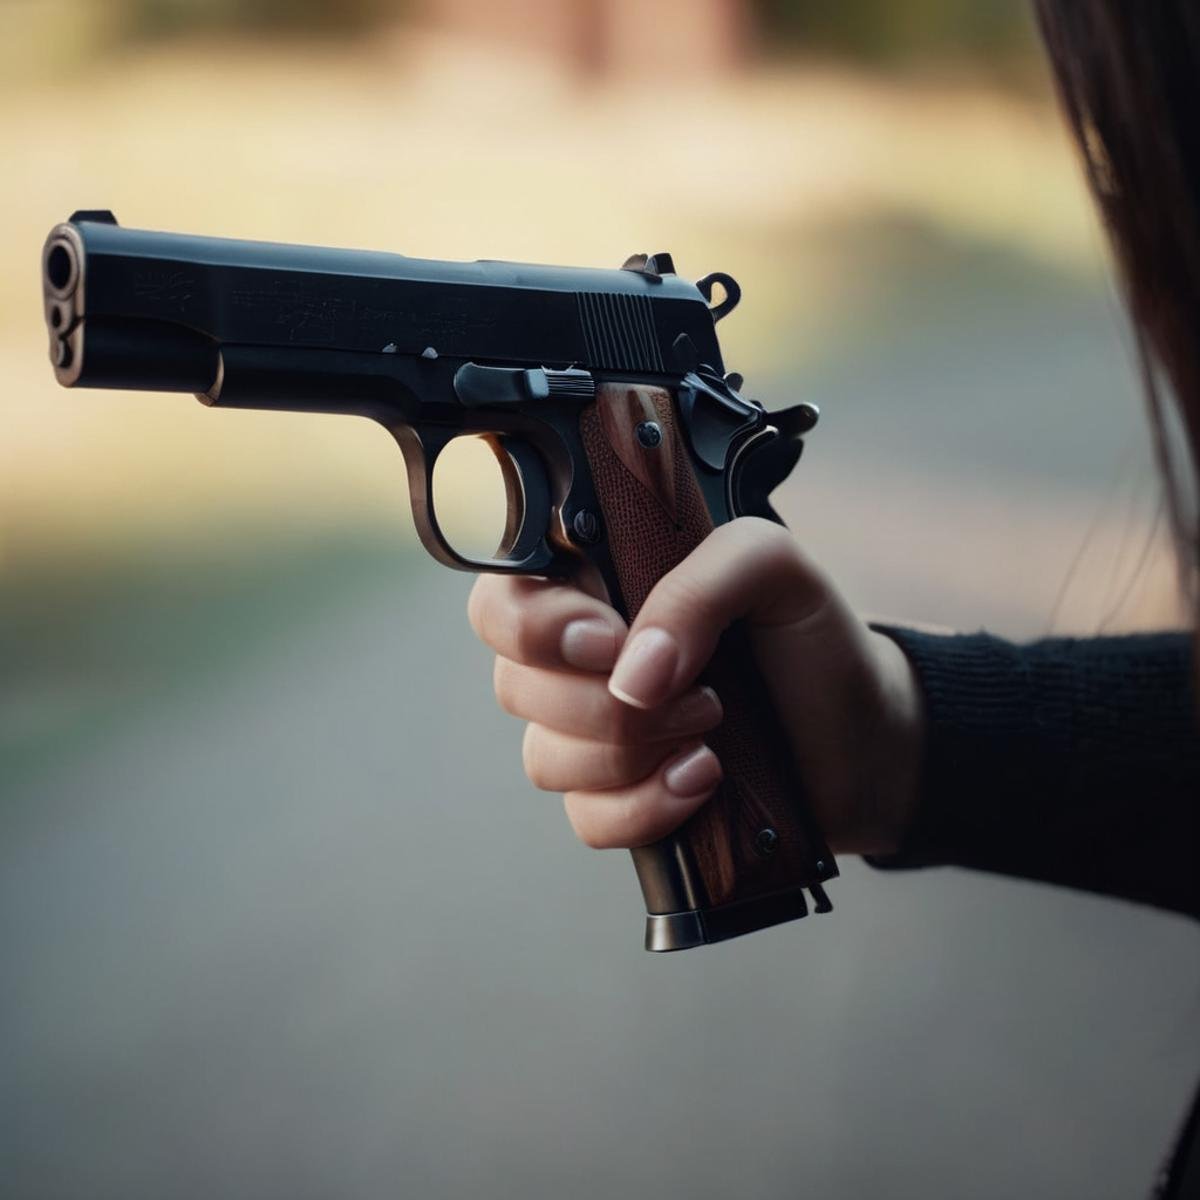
616 719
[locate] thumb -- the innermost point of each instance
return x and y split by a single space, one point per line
749 569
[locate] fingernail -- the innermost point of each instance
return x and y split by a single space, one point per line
694 773
646 669
698 710
590 645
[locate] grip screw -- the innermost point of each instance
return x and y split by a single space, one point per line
766 842
649 434
585 527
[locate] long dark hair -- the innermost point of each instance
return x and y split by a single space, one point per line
1128 76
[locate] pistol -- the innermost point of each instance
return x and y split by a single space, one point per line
622 442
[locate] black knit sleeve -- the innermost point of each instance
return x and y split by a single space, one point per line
1075 761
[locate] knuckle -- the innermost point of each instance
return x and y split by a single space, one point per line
533 758
755 539
581 812
757 529
524 634
779 551
504 684
616 760
640 817
615 820
575 804
475 602
760 538
481 606
593 839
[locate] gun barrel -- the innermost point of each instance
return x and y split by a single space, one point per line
110 351
132 308
60 289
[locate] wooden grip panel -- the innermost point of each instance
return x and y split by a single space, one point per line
754 837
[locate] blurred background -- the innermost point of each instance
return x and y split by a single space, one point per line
279 914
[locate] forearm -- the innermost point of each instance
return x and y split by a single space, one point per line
1074 761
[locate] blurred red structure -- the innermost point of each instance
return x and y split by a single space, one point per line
611 37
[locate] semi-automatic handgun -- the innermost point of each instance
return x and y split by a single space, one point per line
621 439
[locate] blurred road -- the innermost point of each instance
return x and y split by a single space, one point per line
304 931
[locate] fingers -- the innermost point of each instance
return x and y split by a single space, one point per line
541 623
581 706
749 568
557 762
616 715
649 809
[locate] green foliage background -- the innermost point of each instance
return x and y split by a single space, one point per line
164 18
874 30
884 30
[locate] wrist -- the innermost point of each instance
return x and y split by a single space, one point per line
890 754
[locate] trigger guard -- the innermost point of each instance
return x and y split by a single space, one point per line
514 494
524 549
